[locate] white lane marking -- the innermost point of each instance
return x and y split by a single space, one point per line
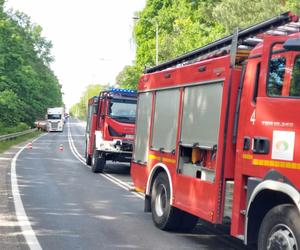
128 186
109 177
22 218
4 159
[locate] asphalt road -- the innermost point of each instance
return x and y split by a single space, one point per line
69 207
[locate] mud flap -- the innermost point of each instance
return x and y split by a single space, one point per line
147 204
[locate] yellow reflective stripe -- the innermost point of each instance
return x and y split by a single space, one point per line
247 156
271 163
277 164
163 159
154 157
140 190
169 160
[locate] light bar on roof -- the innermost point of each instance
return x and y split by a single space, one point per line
95 99
115 90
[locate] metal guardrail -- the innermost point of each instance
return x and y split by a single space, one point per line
15 135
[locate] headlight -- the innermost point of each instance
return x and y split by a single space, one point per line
129 136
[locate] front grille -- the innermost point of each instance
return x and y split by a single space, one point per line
54 125
126 146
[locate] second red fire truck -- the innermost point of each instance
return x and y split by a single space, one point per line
110 127
218 136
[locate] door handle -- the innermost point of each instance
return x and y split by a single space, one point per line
261 145
247 143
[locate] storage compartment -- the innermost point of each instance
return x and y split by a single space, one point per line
199 130
198 162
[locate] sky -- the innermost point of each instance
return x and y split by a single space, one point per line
92 39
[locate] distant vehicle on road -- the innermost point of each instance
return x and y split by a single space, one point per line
55 119
66 117
110 127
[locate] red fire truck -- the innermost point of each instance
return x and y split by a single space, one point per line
218 132
110 127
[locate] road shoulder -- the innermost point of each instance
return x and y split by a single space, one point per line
11 234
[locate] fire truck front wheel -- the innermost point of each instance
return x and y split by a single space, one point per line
280 229
88 158
98 162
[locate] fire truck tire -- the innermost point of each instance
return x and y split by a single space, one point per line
98 162
164 216
88 158
280 229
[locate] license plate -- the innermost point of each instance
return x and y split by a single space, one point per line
129 136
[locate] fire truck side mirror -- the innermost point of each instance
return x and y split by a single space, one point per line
292 44
95 108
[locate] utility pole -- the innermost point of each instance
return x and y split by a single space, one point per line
156 43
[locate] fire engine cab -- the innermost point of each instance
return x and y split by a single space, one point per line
110 127
218 136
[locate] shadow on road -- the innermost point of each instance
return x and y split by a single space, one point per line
117 168
211 236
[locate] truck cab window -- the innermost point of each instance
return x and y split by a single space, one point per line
276 76
54 116
295 81
122 110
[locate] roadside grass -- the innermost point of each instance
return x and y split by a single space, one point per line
9 130
5 145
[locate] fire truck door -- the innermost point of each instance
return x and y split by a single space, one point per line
101 114
263 116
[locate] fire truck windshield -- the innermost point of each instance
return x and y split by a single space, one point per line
122 110
54 116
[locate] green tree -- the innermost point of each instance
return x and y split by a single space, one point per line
80 109
293 5
183 25
128 78
25 68
243 13
10 108
74 110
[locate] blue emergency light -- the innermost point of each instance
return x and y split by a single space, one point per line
128 91
95 99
